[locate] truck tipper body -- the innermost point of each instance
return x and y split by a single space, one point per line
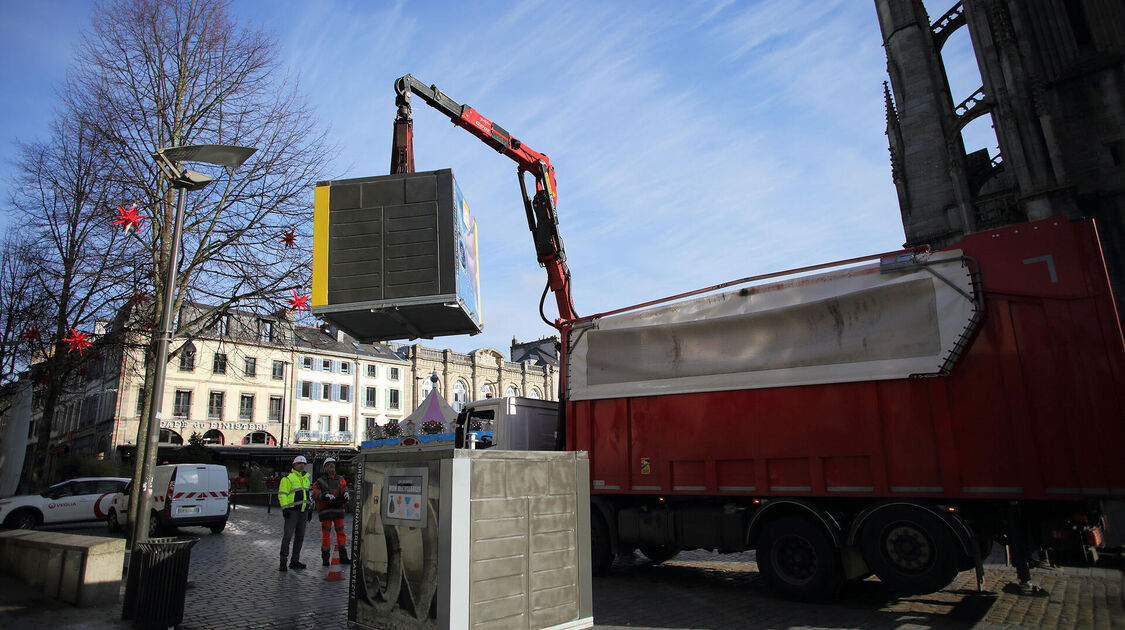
893 415
919 405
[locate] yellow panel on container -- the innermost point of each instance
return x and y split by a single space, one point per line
320 246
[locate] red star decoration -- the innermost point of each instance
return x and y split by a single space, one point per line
78 341
298 302
140 296
30 334
289 238
129 218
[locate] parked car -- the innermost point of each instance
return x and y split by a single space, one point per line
183 494
72 501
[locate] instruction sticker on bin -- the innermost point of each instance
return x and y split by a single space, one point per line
404 496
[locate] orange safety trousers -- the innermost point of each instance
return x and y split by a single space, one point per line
326 532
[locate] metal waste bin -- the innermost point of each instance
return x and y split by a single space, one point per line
157 582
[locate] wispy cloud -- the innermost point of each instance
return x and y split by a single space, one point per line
694 142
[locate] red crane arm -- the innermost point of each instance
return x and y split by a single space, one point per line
542 218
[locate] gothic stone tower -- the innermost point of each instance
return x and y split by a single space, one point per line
1053 74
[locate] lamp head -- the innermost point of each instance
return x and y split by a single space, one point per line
227 156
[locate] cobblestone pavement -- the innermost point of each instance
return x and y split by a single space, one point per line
235 584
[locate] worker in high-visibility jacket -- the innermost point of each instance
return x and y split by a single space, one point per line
296 506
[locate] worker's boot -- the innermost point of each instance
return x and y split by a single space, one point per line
343 555
325 556
283 567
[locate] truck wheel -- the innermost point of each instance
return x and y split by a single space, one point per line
154 528
22 519
218 527
660 553
601 549
911 550
798 559
111 521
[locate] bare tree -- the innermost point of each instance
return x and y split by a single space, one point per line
160 73
73 255
22 307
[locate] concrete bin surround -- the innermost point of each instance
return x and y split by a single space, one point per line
81 570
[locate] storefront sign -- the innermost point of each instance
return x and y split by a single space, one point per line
223 426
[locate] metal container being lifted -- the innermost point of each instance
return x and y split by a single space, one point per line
395 257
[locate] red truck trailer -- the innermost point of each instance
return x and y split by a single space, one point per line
893 415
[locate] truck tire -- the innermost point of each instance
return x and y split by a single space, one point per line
660 553
798 560
601 547
154 527
217 527
911 550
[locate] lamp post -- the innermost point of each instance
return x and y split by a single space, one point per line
183 180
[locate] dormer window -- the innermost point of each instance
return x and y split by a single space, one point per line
266 332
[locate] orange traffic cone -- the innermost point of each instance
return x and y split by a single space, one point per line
334 573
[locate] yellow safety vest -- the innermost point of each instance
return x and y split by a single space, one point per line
293 491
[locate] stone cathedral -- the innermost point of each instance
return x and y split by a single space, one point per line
1053 74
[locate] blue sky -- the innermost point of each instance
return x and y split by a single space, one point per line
694 142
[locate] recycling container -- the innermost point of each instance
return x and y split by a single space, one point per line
455 538
157 582
395 257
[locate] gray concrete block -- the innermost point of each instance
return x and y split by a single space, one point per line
500 548
498 588
554 559
489 569
546 523
83 570
486 529
561 473
528 478
489 480
554 541
511 608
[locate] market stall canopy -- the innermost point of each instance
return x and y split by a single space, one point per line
433 409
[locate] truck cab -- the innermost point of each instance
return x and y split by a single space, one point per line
511 423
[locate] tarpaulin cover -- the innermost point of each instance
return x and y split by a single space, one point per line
854 324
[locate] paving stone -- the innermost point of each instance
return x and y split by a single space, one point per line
236 585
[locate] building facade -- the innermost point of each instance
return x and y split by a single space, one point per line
482 373
262 389
345 389
228 380
1052 78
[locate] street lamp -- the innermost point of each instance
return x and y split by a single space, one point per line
183 180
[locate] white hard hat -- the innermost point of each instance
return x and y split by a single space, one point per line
300 459
330 460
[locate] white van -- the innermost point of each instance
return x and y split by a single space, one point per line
183 494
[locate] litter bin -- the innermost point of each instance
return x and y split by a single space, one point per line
157 582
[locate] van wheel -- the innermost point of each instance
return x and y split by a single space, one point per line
660 553
601 549
218 527
798 559
23 519
154 528
910 549
112 522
